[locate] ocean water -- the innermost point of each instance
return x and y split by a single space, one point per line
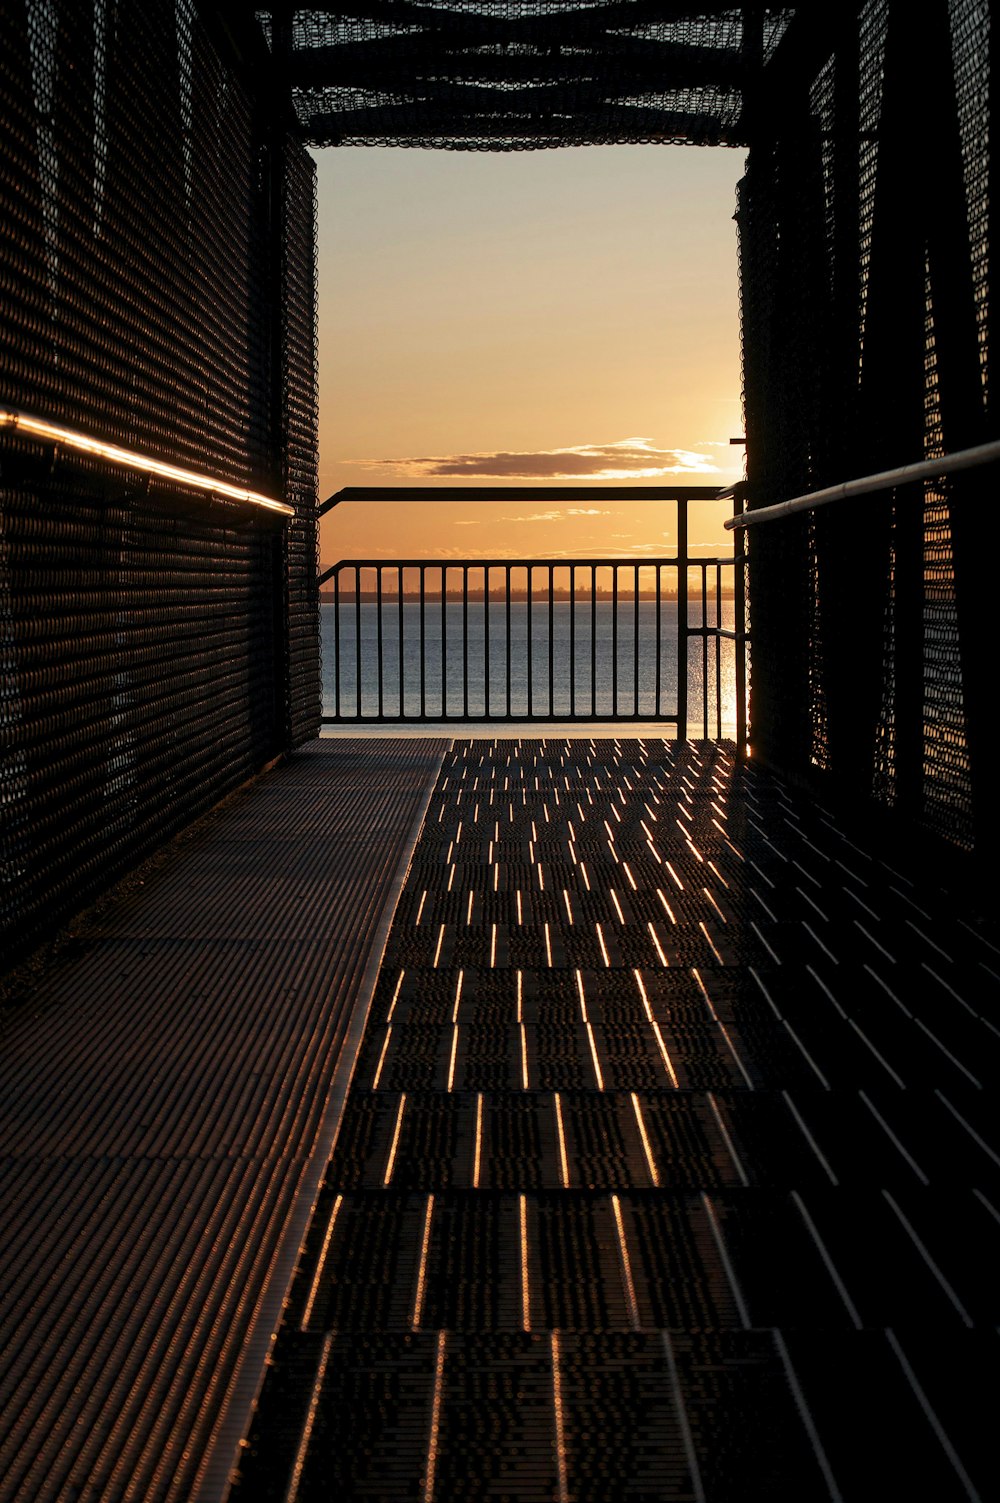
463 672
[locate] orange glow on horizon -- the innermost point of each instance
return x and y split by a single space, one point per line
562 317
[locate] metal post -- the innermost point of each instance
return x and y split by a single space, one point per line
378 630
336 643
635 682
572 639
444 640
552 640
593 639
531 665
507 581
357 638
399 585
740 623
718 652
465 640
659 634
614 640
486 640
682 618
423 643
704 649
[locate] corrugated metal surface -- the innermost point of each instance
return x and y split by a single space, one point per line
668 1169
160 1101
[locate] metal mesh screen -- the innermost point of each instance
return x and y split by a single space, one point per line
148 634
865 255
505 75
300 442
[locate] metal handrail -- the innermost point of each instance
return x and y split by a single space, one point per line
82 443
907 474
551 493
671 560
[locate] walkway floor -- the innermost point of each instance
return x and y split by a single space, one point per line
670 1168
664 1164
167 1105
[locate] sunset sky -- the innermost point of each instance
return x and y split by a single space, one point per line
527 319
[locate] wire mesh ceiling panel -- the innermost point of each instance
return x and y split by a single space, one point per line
865 225
505 75
144 187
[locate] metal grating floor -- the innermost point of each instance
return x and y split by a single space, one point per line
165 1117
668 1169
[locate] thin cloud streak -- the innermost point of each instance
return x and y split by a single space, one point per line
536 516
637 552
624 459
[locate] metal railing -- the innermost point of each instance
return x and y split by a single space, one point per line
544 640
866 485
877 678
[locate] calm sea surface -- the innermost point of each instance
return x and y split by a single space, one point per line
571 666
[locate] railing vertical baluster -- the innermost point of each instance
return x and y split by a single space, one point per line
593 639
423 642
486 640
378 628
465 640
357 637
614 639
336 643
682 617
650 680
704 650
552 640
718 652
399 586
507 582
444 641
659 648
739 624
531 646
635 695
572 639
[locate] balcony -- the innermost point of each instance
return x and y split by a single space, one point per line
560 1115
540 641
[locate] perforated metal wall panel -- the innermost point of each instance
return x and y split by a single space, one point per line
865 226
156 293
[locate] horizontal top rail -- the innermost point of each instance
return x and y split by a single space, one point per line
665 561
521 493
907 474
82 443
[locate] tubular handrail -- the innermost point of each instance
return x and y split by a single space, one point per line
907 474
667 560
40 428
555 494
